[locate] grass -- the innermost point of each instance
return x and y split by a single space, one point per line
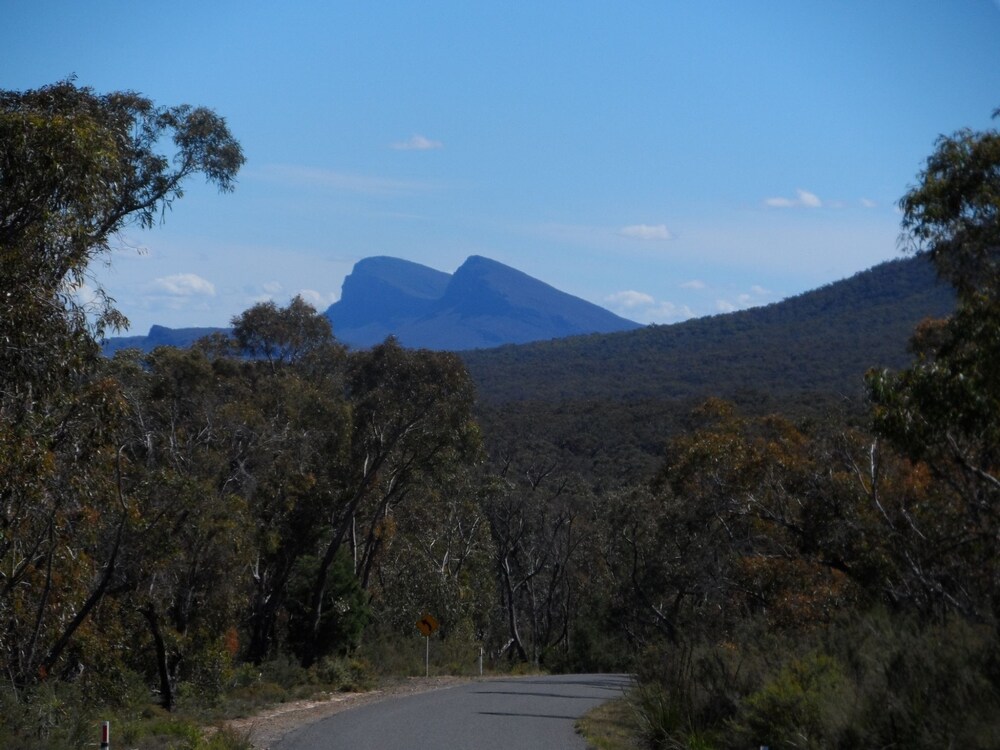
611 726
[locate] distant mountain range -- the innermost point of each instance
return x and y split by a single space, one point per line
483 304
526 341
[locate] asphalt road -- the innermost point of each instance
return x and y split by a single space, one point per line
517 713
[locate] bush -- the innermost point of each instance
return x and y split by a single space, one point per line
56 714
346 674
688 692
872 680
925 685
806 705
228 739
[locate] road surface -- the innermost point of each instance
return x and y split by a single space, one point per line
517 713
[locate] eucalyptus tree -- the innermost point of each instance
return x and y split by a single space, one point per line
435 556
411 428
76 168
289 451
181 582
944 410
538 516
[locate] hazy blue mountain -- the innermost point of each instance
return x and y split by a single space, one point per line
159 336
379 295
484 304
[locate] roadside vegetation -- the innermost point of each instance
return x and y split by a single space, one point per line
611 726
191 534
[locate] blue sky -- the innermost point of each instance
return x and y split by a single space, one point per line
662 159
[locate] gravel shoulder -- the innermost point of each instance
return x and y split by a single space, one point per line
266 728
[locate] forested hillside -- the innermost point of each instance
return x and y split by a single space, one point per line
822 341
606 406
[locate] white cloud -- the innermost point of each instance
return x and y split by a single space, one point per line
779 202
184 285
802 199
810 200
646 232
668 312
868 203
644 308
84 293
273 291
693 284
757 295
298 176
629 299
417 143
317 299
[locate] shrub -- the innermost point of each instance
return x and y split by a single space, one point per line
806 705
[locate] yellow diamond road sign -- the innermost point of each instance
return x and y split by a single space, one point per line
427 624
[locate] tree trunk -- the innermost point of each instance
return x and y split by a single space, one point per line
166 688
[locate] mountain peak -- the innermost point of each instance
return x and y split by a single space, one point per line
384 288
484 304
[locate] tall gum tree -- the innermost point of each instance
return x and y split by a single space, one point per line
411 421
944 410
76 168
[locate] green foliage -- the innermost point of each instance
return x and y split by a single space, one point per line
662 723
345 611
610 726
953 214
75 169
346 673
922 685
169 515
283 335
806 704
869 680
944 410
228 739
78 167
389 654
161 733
393 653
45 719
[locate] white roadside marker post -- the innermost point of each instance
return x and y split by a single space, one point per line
105 735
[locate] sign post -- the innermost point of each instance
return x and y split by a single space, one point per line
105 735
427 625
